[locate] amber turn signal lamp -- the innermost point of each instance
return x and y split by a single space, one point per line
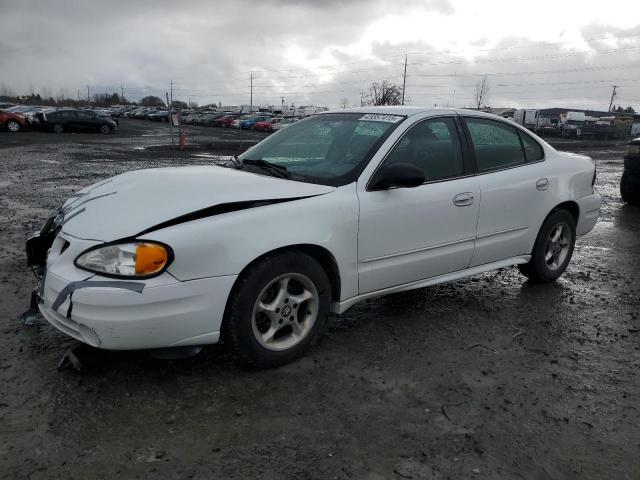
150 258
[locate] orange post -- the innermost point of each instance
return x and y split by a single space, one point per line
182 139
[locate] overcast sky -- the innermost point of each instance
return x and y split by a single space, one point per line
536 54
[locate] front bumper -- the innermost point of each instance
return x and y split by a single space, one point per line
589 208
163 312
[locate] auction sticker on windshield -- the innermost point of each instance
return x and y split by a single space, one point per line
378 117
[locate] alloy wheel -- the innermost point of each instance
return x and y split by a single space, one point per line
285 311
557 246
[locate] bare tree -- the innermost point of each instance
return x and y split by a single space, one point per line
344 102
482 91
385 93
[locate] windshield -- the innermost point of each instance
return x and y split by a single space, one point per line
330 149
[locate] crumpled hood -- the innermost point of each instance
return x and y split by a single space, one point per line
135 201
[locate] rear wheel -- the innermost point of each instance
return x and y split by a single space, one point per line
13 126
278 310
553 248
629 194
104 128
58 128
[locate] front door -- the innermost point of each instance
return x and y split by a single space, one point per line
410 234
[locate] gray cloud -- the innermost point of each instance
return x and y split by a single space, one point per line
209 49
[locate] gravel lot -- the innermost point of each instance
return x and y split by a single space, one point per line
489 377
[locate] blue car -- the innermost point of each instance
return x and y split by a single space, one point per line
248 123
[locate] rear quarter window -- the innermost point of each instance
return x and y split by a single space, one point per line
532 149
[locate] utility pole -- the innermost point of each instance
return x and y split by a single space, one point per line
361 98
282 99
88 96
454 89
404 77
121 94
78 95
613 94
251 95
170 118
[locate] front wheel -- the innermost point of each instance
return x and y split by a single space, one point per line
278 310
104 128
58 128
13 126
553 248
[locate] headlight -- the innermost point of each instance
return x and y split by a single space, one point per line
134 259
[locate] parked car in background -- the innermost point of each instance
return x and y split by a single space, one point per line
476 193
630 181
224 121
13 122
158 116
266 125
210 118
248 123
69 120
284 123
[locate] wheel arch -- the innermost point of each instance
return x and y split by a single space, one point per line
323 256
571 206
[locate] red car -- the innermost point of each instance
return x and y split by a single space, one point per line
265 125
224 122
12 121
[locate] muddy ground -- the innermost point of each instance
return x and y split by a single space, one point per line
489 377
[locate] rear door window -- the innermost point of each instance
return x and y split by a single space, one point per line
496 144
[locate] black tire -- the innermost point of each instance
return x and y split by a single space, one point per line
58 128
538 269
104 128
628 193
13 126
239 326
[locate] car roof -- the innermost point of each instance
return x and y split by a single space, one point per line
409 111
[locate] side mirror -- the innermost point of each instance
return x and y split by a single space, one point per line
397 175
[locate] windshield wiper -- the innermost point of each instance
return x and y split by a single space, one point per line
273 168
236 162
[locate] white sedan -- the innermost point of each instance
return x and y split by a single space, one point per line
337 208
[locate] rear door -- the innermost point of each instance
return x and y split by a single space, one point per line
410 234
87 121
515 190
70 119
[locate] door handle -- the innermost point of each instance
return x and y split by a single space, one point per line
463 199
542 184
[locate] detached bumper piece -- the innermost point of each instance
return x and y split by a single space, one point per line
38 245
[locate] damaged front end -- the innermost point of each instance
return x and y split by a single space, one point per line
36 248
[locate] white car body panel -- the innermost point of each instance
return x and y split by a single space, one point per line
408 234
379 242
141 199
